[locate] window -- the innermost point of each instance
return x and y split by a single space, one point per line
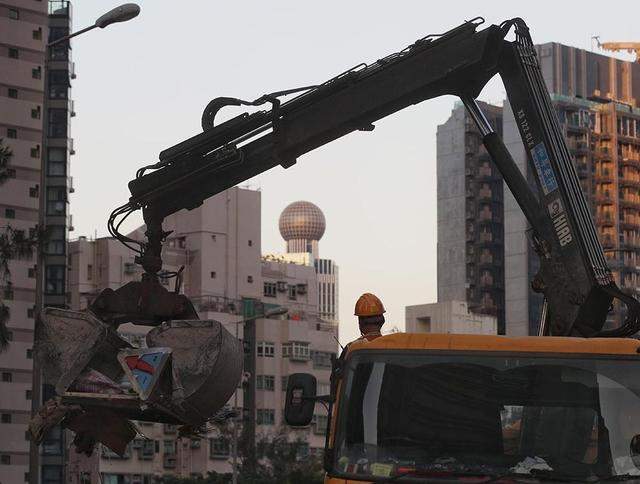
284 382
265 349
58 123
218 447
56 162
54 279
296 350
270 289
5 418
52 475
292 292
213 238
321 359
33 191
320 424
11 172
59 84
213 274
169 447
28 394
35 151
9 213
7 377
31 272
89 272
14 14
323 389
250 243
56 241
30 312
266 382
266 416
56 200
36 72
5 459
13 53
250 279
29 354
12 133
12 93
37 34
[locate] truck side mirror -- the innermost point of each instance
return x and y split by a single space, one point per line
300 400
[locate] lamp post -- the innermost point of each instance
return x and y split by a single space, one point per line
249 358
119 14
122 13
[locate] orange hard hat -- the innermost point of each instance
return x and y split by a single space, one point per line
369 305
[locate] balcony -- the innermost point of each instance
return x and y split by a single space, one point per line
630 182
605 219
604 198
217 304
630 161
603 176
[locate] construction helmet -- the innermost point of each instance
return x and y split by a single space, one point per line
369 305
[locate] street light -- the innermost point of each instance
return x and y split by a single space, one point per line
119 14
122 13
277 311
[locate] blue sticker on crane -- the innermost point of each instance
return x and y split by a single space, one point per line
543 167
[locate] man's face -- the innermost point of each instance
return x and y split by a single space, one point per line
369 328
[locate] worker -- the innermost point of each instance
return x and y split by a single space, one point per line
370 312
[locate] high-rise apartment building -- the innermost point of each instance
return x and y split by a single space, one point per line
219 245
23 36
470 216
596 99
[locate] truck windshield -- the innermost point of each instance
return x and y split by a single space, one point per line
411 414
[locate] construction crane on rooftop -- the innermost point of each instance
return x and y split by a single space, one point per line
630 47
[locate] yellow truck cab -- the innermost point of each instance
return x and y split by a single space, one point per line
444 407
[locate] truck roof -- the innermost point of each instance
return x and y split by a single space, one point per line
491 343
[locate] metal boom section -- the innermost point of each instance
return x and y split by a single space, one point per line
574 277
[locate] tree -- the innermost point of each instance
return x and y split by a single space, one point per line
278 461
5 158
281 461
13 245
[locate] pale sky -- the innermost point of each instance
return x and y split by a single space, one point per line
142 86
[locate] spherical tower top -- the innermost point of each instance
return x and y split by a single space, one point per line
302 221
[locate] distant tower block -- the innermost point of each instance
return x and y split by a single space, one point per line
302 225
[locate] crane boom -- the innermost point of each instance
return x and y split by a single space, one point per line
574 277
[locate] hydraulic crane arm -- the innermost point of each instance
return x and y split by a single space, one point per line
574 277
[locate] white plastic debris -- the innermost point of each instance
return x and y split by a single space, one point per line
529 464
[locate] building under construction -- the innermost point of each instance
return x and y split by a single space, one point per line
597 100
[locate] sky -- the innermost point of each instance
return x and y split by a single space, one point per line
142 85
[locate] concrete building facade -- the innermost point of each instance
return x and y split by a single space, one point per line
470 216
596 98
219 245
448 317
23 36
